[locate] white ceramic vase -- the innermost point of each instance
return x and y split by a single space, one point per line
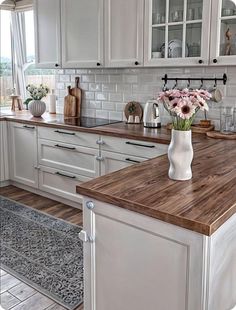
180 154
37 107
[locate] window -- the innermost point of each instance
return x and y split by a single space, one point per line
6 78
12 54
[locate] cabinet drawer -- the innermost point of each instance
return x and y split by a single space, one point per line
68 157
60 183
111 162
68 136
133 147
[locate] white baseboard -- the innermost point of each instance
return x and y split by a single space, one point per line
5 183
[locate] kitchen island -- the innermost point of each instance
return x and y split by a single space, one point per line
154 243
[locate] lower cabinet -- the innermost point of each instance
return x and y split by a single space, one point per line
60 182
111 162
132 261
23 154
4 163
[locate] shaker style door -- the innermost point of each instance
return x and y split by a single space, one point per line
177 32
82 33
47 33
223 39
124 33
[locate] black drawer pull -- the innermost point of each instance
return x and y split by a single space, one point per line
133 161
65 175
29 127
65 147
143 145
65 133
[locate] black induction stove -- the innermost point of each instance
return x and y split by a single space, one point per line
87 122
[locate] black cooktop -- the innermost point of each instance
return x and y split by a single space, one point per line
87 122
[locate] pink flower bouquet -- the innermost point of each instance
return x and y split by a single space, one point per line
183 105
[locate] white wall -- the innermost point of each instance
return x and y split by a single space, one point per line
106 91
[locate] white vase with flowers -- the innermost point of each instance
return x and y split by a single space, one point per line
36 106
182 106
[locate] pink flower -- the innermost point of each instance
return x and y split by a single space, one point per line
185 109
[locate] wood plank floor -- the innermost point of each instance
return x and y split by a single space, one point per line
14 294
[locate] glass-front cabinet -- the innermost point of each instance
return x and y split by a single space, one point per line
223 40
177 32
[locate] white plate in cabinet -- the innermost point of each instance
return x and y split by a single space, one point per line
133 147
72 158
111 162
60 183
68 136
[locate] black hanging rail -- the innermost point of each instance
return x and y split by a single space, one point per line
166 79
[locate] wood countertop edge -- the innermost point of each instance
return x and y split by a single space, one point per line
99 130
179 221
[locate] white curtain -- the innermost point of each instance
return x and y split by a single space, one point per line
19 43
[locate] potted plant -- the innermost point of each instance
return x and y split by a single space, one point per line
182 105
36 106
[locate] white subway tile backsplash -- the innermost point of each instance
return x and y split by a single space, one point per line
106 105
101 96
106 91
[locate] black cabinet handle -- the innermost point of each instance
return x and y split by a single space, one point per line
136 63
138 144
200 61
65 175
98 64
29 127
65 133
56 65
133 161
215 61
65 147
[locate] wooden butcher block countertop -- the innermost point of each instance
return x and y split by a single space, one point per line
121 129
202 204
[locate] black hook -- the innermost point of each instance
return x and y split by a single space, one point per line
215 85
201 84
176 83
189 82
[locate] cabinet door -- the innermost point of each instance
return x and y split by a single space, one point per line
47 33
177 32
124 33
223 39
23 151
111 162
136 262
4 167
82 33
68 157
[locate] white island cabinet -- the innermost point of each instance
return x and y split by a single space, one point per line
134 262
4 165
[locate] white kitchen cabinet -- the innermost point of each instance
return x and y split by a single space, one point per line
111 162
4 164
132 261
68 157
47 33
124 33
23 153
82 33
181 25
135 262
223 39
60 183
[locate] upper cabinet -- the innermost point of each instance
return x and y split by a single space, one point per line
177 32
82 33
124 33
130 33
47 33
223 40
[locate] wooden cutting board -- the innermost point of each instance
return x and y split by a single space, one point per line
70 104
77 93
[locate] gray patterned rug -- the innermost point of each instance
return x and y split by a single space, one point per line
42 251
